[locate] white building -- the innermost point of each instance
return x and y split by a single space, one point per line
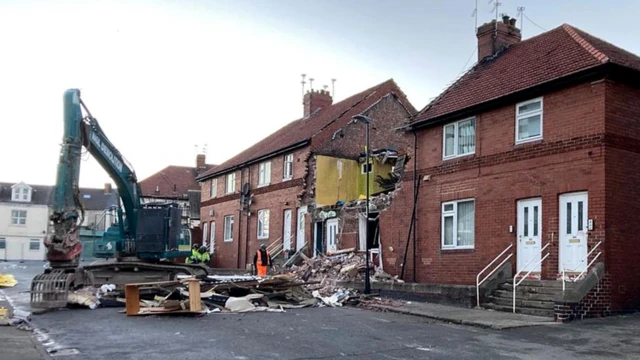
24 219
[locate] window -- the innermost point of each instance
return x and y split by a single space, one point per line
228 228
288 167
529 120
212 236
264 173
34 245
18 217
263 224
205 229
3 243
459 138
231 183
458 220
21 193
366 168
213 192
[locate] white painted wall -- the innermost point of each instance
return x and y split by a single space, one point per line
18 237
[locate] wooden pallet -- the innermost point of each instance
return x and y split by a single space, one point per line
132 298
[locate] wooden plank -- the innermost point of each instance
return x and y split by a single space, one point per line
195 304
132 298
158 283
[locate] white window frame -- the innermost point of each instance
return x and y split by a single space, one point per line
15 217
529 114
213 188
287 167
456 138
34 241
228 232
263 225
454 214
230 183
264 173
21 193
212 236
363 166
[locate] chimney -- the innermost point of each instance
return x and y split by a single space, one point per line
107 188
200 161
316 99
495 36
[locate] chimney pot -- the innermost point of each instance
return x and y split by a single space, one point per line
505 19
512 22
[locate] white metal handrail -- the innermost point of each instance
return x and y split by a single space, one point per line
515 285
581 261
479 282
276 247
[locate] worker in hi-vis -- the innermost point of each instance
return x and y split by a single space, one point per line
262 260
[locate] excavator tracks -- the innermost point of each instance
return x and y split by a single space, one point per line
51 289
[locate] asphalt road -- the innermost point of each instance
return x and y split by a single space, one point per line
316 333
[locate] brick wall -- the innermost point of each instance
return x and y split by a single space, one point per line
596 303
623 190
570 158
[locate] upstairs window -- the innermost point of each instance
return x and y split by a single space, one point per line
18 217
529 120
213 192
459 138
288 167
21 193
264 173
231 183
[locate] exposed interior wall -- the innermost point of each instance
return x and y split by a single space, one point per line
336 179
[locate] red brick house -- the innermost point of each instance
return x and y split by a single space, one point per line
538 143
178 184
268 192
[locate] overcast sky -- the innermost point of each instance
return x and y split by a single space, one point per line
164 76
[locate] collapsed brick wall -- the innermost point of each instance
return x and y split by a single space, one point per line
597 303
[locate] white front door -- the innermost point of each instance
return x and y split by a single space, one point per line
300 236
529 234
332 235
212 238
573 232
286 232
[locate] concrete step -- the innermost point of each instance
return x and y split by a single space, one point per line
524 289
544 283
522 303
526 311
524 296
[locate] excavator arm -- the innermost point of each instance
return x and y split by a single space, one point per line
63 244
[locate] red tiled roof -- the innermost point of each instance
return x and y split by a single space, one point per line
549 56
182 177
306 128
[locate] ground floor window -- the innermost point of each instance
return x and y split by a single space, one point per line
34 244
458 224
3 244
228 228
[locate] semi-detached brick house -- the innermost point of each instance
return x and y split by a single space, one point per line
538 143
279 172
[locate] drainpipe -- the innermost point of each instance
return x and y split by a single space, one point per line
239 224
246 249
415 200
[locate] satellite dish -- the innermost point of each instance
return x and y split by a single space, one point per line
245 189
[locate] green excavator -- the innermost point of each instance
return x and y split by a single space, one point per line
141 246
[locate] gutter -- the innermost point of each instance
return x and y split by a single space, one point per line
289 148
520 95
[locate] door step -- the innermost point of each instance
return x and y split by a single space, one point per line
526 311
533 297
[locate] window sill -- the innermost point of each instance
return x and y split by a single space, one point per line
465 250
263 185
457 156
528 141
263 238
228 240
287 179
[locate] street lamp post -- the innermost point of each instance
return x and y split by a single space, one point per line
367 281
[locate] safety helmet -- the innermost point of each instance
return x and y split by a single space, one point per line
263 246
202 249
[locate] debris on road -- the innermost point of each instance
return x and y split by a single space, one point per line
7 280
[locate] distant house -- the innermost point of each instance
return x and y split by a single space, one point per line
536 147
178 184
283 188
25 211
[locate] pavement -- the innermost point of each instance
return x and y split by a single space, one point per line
18 344
464 316
314 333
